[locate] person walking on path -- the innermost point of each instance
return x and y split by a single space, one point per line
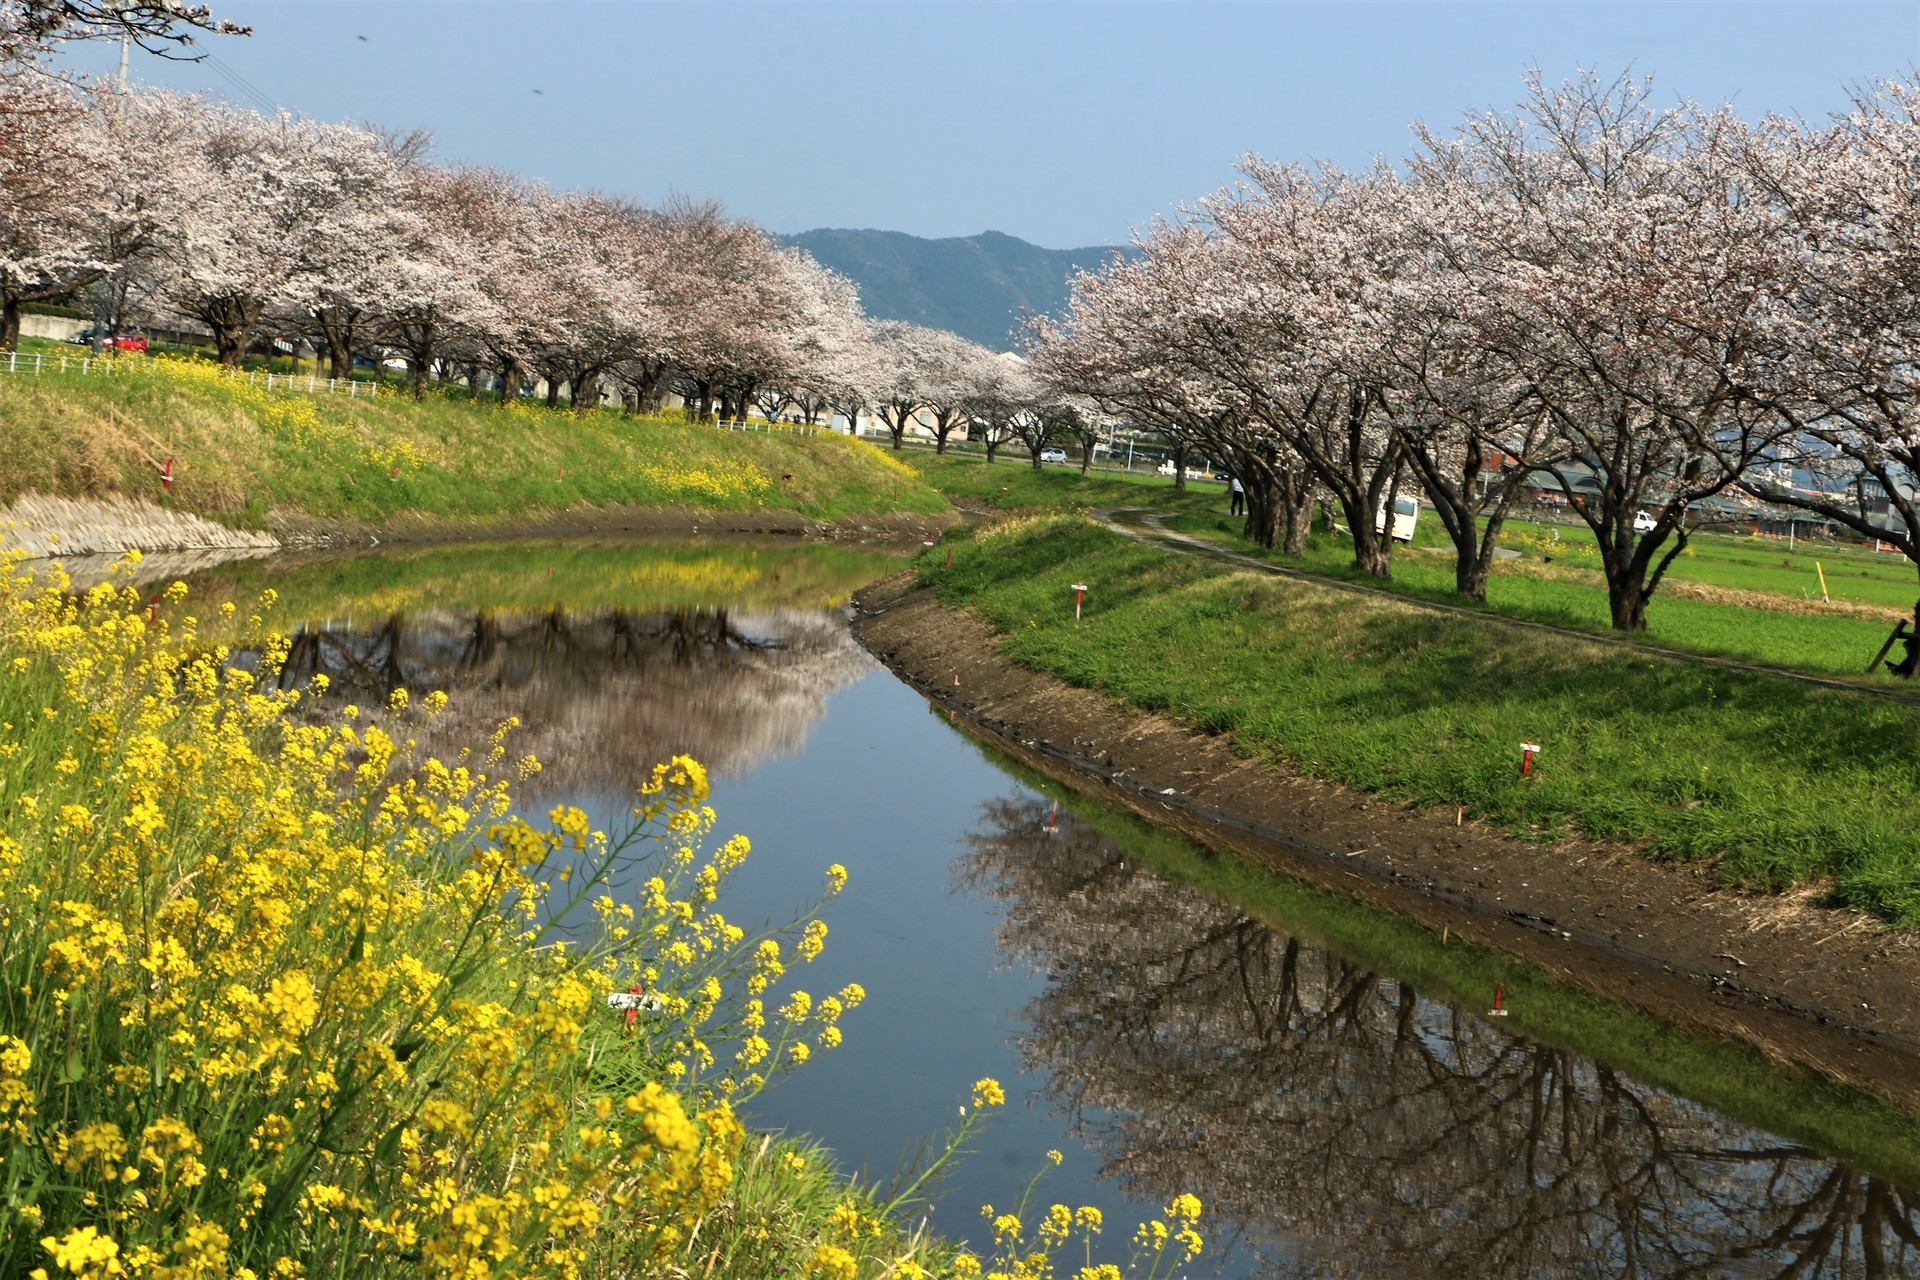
1236 497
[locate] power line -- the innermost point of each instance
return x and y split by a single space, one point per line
245 87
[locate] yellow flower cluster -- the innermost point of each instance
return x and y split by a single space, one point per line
715 483
400 456
283 1000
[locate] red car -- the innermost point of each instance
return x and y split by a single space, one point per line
130 342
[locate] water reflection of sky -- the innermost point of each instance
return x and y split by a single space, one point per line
1335 1121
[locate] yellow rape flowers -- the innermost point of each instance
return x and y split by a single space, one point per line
284 1000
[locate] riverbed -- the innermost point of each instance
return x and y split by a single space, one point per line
1335 1117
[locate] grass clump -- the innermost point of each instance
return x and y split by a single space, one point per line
1773 782
241 450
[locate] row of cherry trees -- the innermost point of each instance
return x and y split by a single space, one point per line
246 225
1651 304
176 207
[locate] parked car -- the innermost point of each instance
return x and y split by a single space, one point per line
1643 523
1053 454
125 342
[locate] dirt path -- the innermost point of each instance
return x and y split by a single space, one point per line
1804 984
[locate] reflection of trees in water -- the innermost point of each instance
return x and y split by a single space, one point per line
601 696
1351 1127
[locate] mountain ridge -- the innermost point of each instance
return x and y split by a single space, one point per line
977 286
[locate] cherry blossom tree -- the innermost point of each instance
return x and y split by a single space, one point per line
28 28
434 298
1610 255
1845 385
1286 319
1125 344
907 369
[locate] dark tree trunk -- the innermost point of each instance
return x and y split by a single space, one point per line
1296 505
337 332
553 392
586 389
1179 466
1909 666
1263 512
417 377
511 376
10 324
1627 599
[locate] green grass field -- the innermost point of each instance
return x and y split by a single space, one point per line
1772 781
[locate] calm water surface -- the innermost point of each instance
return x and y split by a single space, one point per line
1334 1120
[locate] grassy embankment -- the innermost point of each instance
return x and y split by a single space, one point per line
1774 782
1727 595
279 1000
241 451
1852 1126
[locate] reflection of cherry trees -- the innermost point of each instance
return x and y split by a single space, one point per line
1351 1127
601 696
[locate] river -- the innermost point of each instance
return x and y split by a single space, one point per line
1334 1120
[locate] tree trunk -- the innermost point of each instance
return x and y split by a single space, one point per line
1909 666
1297 511
1179 466
1627 599
417 377
10 324
338 334
230 343
510 378
553 392
1263 512
586 390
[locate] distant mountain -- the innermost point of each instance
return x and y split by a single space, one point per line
976 286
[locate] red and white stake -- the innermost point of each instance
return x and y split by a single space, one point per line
1079 594
1527 751
153 609
395 475
1499 998
166 475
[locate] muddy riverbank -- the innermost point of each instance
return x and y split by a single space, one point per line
1806 985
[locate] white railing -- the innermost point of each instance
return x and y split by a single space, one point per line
770 428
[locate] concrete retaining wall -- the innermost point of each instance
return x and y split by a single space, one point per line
43 526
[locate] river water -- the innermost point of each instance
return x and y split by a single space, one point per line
1335 1121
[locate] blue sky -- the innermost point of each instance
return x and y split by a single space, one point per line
1062 123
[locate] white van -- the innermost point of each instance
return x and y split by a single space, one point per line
1406 513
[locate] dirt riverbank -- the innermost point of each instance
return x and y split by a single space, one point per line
1806 985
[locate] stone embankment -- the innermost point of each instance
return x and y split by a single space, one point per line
112 525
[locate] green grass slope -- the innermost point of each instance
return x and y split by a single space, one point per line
240 451
1773 781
